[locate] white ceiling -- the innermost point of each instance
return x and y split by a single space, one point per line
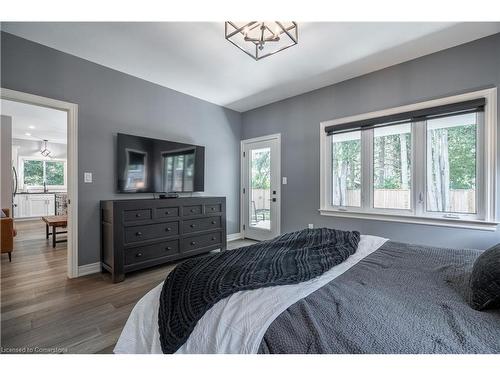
36 123
194 58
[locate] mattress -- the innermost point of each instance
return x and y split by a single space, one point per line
388 297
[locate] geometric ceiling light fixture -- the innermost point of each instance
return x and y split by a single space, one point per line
259 39
44 150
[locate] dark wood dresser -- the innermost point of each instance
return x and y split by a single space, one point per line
140 233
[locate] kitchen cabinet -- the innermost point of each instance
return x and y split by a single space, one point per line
34 205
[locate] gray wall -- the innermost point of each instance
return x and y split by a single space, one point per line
463 68
111 102
6 158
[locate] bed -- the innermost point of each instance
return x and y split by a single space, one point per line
387 297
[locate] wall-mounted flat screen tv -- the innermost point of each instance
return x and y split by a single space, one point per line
147 165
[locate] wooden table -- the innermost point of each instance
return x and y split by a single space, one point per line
55 222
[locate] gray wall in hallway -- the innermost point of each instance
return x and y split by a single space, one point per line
111 102
462 68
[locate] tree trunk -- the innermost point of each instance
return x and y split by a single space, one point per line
381 162
335 176
432 180
404 161
343 184
444 172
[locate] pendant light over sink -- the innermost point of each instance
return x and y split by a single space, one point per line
44 150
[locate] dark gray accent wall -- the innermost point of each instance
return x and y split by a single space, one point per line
464 68
111 102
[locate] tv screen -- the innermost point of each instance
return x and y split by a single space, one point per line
147 165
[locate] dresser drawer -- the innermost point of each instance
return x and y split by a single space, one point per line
159 250
151 231
136 215
213 208
192 210
198 242
167 212
197 225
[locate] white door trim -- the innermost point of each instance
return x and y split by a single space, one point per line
72 110
244 142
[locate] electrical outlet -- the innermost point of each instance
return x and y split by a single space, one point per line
284 182
310 226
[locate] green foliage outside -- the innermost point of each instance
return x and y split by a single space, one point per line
54 173
462 156
261 170
34 172
388 161
348 154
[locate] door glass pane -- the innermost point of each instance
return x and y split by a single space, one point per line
33 172
54 171
451 164
260 188
346 169
392 167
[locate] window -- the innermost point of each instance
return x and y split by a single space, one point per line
346 169
427 163
37 171
392 167
452 164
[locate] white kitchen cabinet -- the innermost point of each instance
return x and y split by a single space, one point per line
34 205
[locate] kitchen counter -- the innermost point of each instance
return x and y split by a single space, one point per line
41 192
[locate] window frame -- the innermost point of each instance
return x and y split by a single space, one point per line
485 215
22 159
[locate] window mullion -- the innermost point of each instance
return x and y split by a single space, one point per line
420 167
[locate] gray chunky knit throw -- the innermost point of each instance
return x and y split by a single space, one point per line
197 284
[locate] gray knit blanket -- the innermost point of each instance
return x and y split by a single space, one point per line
197 284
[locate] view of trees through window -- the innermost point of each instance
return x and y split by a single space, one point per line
451 164
54 173
33 172
392 167
346 169
38 171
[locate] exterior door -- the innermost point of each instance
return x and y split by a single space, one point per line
261 193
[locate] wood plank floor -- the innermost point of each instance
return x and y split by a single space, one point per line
41 309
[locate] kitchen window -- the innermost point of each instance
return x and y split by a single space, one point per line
37 171
428 163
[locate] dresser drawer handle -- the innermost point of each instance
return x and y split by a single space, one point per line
213 221
214 238
167 212
193 225
168 248
138 255
213 208
168 229
138 234
193 209
137 215
193 242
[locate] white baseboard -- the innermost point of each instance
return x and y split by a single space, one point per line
234 236
88 269
91 268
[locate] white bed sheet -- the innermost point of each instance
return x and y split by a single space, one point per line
235 324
